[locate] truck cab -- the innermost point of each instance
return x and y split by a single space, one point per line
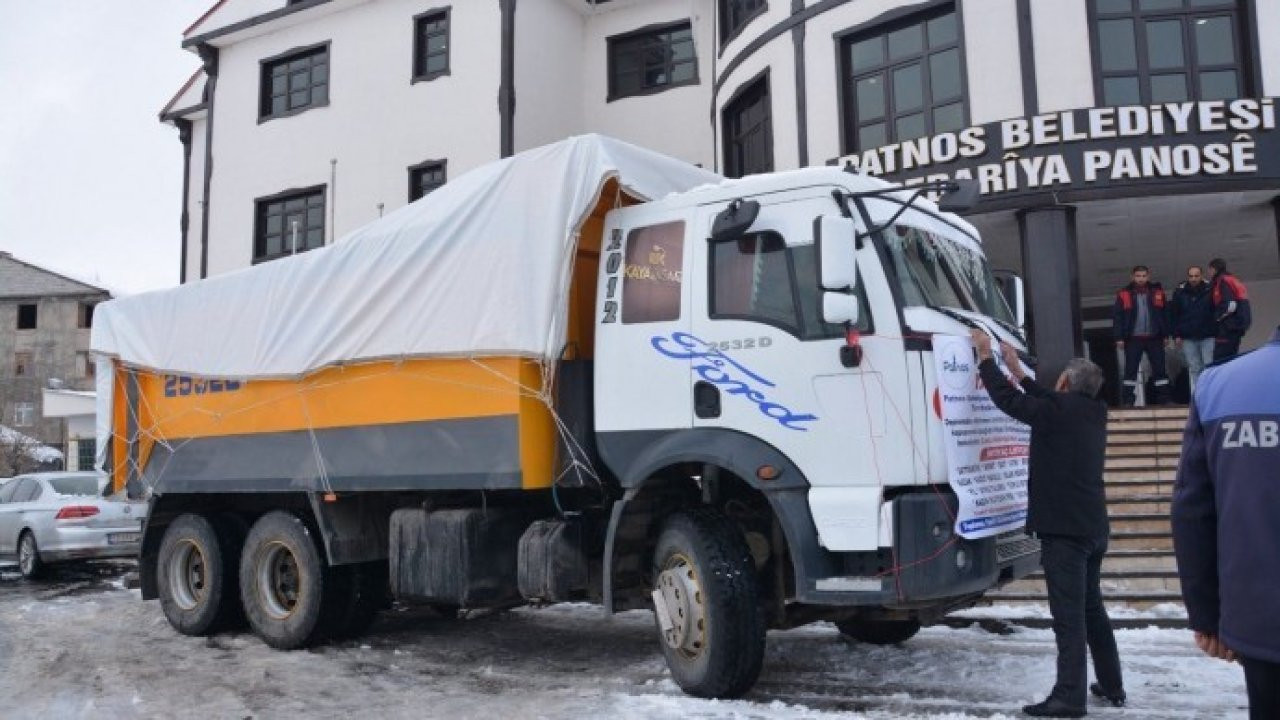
764 349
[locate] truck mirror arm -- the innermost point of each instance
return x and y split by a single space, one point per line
939 186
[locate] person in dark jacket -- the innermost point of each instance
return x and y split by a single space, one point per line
1067 510
1192 320
1226 501
1140 325
1230 299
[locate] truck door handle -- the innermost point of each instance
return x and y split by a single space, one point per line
706 400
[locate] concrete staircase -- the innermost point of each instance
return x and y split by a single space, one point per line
1143 447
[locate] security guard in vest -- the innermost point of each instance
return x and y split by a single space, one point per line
1226 519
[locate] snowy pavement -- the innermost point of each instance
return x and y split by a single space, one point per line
82 645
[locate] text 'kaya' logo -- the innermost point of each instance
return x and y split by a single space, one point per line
719 369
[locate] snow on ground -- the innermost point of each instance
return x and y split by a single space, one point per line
84 646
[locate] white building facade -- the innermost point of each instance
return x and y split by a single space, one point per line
1105 133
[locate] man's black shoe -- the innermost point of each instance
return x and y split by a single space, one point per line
1116 699
1054 707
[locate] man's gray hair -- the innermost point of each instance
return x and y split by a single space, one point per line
1083 376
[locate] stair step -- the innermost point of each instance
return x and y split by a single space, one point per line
1134 599
1145 449
1150 474
1163 411
1120 437
1110 586
1152 426
1141 541
1162 462
1149 574
1128 506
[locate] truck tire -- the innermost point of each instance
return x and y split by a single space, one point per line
196 576
284 582
29 562
706 578
879 632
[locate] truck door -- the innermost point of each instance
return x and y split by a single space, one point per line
764 363
642 293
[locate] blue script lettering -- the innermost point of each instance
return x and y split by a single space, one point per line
719 369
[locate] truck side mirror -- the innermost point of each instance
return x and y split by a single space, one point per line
959 196
837 263
840 308
1011 287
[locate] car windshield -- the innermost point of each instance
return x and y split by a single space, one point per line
935 271
86 485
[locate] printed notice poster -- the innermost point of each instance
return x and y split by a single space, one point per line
986 449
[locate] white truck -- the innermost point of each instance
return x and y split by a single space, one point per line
585 373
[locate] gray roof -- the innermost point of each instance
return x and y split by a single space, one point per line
20 279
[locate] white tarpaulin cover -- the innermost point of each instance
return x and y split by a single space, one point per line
481 266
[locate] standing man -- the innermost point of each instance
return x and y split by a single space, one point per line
1067 510
1230 309
1140 323
1194 328
1225 534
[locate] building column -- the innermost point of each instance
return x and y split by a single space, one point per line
1052 275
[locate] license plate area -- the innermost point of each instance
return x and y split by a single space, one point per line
123 538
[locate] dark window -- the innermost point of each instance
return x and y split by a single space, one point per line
288 224
27 316
651 60
295 82
431 45
85 318
86 453
758 277
735 14
653 273
1155 51
22 364
748 132
425 177
903 81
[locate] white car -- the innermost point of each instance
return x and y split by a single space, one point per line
59 516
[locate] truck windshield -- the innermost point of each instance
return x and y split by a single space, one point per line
935 271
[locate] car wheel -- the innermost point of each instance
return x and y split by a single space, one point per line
706 600
284 584
196 576
29 563
879 632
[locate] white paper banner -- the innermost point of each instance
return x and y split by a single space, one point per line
986 449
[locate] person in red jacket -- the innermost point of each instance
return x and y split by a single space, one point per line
1231 310
1140 323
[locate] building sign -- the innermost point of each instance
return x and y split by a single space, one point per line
987 451
1102 147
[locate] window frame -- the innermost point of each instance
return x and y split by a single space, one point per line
882 26
797 304
23 369
84 315
28 406
1186 15
259 226
265 67
727 141
611 50
442 163
417 67
35 316
727 33
86 448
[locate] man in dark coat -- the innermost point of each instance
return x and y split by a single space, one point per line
1194 328
1140 325
1226 501
1231 309
1067 510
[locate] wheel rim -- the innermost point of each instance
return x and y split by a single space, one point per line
26 555
279 581
188 575
686 606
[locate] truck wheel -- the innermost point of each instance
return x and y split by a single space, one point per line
196 576
283 582
29 563
707 605
879 632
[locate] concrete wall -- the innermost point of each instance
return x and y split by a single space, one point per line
549 42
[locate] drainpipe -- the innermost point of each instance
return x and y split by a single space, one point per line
209 54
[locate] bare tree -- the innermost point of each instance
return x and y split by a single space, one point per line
17 453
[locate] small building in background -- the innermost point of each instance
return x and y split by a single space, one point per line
45 320
78 411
